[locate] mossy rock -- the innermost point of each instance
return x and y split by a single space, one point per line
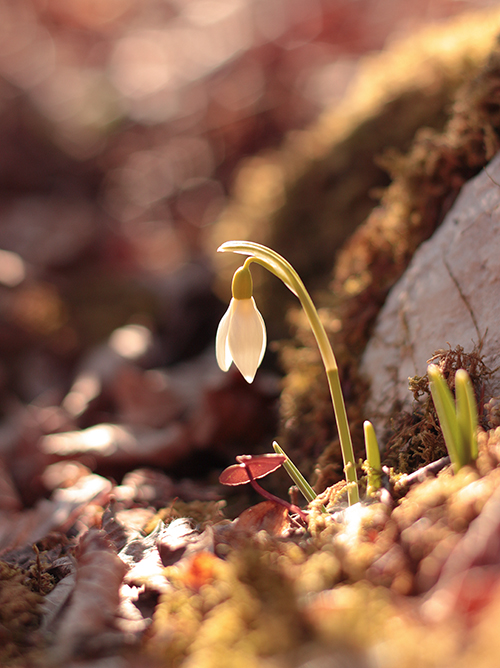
305 199
425 182
433 100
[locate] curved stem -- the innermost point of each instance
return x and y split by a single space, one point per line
278 266
276 499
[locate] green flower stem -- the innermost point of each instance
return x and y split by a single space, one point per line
278 266
344 435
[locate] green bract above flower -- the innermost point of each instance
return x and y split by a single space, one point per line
241 338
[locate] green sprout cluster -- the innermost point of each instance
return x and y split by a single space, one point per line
458 419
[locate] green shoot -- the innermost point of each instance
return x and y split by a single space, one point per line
466 411
374 469
307 491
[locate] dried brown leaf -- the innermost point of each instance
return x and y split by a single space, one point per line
470 578
88 627
268 516
157 489
145 397
142 556
9 498
119 445
58 513
55 601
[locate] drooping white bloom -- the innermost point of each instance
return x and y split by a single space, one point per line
241 338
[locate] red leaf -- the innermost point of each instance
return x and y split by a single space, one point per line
259 465
200 570
262 465
234 475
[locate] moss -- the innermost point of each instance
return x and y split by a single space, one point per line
19 616
356 589
202 513
489 450
244 612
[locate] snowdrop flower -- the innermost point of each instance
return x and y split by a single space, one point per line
241 336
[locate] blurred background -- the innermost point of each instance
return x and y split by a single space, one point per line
121 125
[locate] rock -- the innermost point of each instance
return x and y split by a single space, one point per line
449 295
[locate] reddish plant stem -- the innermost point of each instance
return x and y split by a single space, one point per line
271 497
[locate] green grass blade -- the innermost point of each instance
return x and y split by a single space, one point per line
373 457
467 416
445 408
294 473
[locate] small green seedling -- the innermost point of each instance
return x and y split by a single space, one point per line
374 468
458 419
249 468
307 491
241 338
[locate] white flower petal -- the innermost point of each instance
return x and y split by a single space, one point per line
247 337
222 352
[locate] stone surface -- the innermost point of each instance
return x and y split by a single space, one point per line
450 294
